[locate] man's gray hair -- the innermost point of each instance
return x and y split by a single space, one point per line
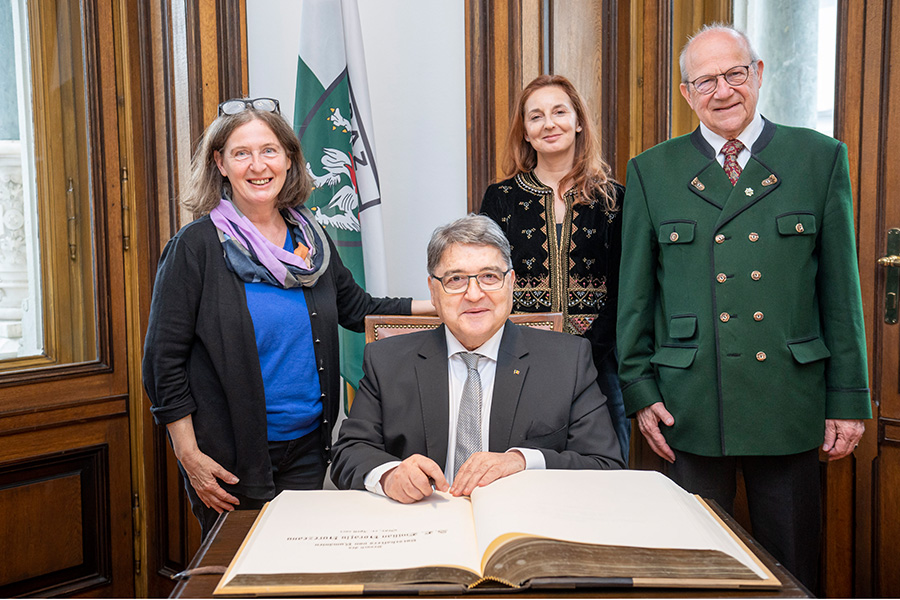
717 27
477 230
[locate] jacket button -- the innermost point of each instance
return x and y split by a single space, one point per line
321 369
753 236
720 238
673 236
721 277
757 316
313 314
324 421
755 275
724 317
317 340
799 227
328 461
760 356
323 395
327 448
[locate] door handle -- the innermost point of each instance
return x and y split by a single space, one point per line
892 282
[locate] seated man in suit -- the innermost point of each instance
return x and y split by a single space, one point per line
430 402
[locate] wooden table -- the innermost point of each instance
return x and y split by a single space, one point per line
220 547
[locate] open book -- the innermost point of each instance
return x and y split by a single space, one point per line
532 529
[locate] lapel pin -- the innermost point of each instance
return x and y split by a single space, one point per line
515 371
698 184
770 180
749 191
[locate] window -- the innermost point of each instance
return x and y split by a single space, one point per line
48 309
799 56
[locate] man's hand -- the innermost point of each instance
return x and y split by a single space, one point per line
483 468
411 480
648 420
204 473
842 436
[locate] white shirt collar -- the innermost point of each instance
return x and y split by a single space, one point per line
489 349
747 137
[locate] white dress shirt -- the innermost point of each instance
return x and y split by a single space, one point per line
747 137
487 367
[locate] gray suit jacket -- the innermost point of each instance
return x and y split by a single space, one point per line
545 397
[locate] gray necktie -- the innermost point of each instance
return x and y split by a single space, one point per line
468 424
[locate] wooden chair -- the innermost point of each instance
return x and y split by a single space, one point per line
382 326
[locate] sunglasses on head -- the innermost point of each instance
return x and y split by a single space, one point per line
239 105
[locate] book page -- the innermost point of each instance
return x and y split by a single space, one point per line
642 509
345 531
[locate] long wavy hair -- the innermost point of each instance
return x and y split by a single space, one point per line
206 185
590 175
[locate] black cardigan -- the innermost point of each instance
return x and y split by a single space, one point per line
579 278
200 355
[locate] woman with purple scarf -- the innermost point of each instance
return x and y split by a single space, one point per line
241 356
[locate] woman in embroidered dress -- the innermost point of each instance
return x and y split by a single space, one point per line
560 211
241 354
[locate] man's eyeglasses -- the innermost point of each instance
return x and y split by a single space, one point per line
488 281
734 77
239 105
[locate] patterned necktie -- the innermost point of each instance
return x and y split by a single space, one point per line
468 424
731 149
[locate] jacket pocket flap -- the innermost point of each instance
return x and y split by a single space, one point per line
796 224
679 357
809 351
676 232
682 326
555 440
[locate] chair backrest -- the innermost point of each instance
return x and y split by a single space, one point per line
382 326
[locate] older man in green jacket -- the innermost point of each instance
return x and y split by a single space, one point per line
740 320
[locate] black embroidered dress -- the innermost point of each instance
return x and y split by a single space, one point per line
572 269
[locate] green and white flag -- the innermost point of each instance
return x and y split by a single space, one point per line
332 118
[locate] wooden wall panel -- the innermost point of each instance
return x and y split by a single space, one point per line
576 48
887 584
65 507
49 511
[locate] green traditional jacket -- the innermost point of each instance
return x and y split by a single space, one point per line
740 306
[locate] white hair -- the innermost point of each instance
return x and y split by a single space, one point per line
720 28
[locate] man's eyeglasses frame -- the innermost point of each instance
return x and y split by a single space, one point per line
464 289
734 77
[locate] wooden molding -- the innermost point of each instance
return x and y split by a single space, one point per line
480 154
231 50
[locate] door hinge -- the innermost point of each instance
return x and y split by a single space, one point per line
136 525
126 211
71 220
